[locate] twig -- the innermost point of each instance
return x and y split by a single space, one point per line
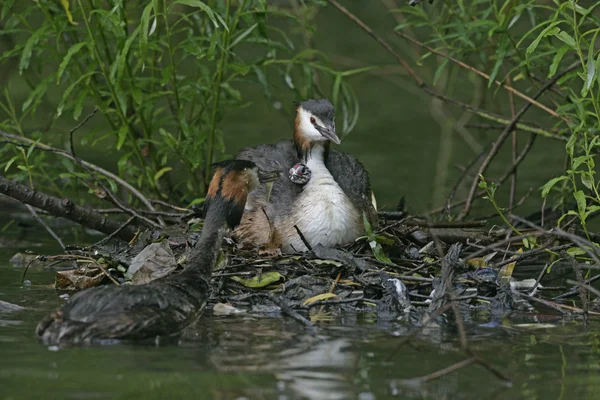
91 166
500 181
459 181
108 192
115 233
438 374
380 40
338 301
498 143
484 75
168 205
285 308
513 177
573 291
487 249
585 286
45 225
392 215
302 238
77 127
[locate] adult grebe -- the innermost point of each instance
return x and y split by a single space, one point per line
165 306
328 209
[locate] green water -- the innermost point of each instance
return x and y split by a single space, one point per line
272 357
404 142
257 356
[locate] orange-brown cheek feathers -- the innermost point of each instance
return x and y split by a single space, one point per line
301 142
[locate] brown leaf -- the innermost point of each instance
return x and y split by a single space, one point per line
78 279
155 261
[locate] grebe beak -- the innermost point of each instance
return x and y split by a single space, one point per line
266 177
329 133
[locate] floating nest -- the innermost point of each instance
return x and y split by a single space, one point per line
406 269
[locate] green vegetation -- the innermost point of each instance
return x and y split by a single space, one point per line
162 76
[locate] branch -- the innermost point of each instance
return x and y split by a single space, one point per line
503 136
64 208
93 167
482 74
380 40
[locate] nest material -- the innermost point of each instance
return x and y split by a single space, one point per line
396 272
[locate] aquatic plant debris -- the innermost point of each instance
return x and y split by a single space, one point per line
415 278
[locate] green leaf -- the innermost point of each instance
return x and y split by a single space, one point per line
587 179
550 184
549 30
327 262
65 62
122 134
439 70
214 17
259 281
31 148
576 251
336 89
581 202
590 210
160 173
10 162
556 60
144 30
590 77
500 55
375 246
29 46
242 36
117 73
36 95
67 92
66 6
580 160
568 39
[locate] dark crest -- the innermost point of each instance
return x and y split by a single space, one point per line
321 108
233 165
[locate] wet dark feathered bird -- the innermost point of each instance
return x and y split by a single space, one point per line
164 306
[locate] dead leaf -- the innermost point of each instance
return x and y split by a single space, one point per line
330 262
78 279
155 261
322 296
225 309
259 281
506 272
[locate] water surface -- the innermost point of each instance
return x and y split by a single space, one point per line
353 356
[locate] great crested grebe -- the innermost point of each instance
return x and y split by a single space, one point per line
165 306
328 209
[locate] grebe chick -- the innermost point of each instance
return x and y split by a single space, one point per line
164 306
327 207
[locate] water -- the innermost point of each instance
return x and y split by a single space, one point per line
354 356
405 146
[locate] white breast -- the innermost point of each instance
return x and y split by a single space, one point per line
323 212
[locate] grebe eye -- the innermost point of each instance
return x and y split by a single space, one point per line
312 120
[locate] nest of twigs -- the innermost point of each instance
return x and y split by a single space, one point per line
406 269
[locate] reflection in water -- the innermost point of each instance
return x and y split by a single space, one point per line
351 356
323 372
306 365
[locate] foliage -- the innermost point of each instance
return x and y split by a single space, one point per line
163 75
524 43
